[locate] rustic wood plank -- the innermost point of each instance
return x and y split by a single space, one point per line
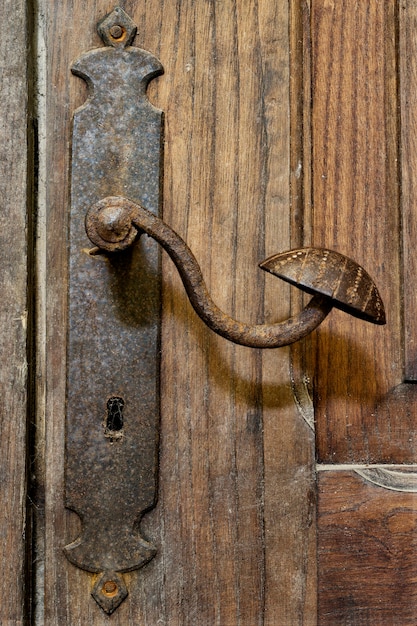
233 523
220 512
289 441
408 95
14 314
367 552
359 368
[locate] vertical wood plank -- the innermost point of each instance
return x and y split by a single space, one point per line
408 95
14 314
356 211
233 522
289 439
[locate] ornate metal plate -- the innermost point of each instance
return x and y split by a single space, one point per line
114 309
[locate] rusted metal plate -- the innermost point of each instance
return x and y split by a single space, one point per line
114 310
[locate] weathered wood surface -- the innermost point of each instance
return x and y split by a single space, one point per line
234 523
365 409
367 553
408 100
14 230
363 412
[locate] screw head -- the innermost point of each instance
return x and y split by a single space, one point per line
109 591
116 31
110 588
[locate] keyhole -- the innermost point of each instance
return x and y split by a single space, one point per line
114 422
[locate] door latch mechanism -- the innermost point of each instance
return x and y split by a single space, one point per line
112 415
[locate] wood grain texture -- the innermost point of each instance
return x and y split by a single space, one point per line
367 553
408 98
361 414
14 193
234 522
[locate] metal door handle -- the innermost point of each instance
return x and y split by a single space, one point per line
112 399
114 223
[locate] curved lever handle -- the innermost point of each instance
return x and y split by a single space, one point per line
113 224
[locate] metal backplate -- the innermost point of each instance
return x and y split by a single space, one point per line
114 310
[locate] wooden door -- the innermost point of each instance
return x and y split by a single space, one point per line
286 476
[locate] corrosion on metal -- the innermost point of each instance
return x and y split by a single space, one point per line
332 278
112 414
331 274
109 591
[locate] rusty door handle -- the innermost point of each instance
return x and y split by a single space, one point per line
334 280
113 356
